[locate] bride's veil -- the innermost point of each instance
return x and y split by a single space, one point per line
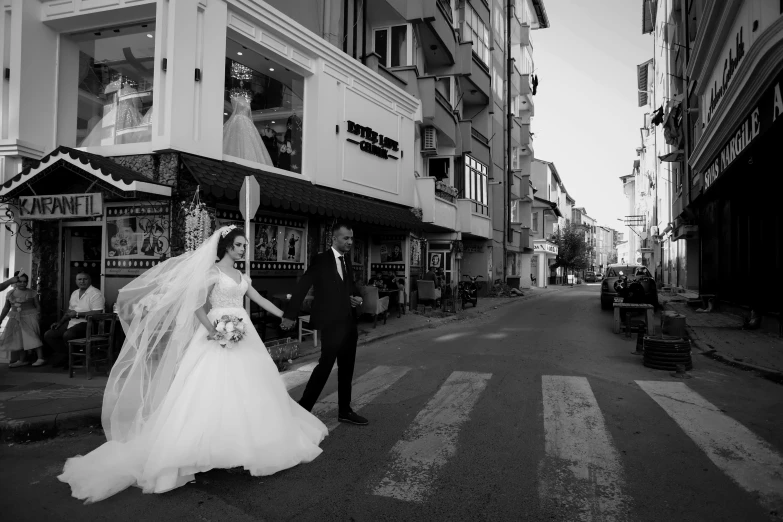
157 312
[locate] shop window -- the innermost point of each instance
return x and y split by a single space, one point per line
474 185
395 45
263 110
115 85
475 30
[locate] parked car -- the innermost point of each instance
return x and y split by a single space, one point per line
590 277
634 273
598 276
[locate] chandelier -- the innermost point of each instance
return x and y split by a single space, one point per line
240 72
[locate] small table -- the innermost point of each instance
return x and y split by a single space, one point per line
648 310
394 297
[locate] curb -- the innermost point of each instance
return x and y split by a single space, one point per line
47 426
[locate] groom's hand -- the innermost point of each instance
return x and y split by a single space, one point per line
356 301
287 324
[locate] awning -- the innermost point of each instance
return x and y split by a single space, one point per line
675 156
103 171
224 180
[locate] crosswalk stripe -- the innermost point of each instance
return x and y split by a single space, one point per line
299 376
432 438
746 458
365 389
581 472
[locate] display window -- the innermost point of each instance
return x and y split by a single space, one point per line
115 85
263 110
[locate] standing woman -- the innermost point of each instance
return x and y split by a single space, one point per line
22 333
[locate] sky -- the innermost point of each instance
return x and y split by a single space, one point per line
586 115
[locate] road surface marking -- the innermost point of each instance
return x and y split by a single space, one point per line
365 389
432 438
750 461
300 375
450 337
581 475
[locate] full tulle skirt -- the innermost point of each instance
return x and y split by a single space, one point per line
226 408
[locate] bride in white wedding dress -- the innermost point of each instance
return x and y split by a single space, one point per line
177 402
240 136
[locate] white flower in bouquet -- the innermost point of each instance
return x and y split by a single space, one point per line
220 327
229 327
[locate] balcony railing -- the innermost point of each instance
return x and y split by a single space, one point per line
445 196
445 6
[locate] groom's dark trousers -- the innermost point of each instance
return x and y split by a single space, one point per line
334 318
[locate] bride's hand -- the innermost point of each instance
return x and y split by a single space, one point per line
211 335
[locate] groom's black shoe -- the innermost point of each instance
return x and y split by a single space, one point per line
352 417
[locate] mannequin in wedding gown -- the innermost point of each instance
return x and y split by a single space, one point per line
240 136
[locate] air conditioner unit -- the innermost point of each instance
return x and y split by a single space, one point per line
429 141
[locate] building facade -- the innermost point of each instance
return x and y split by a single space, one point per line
718 69
410 119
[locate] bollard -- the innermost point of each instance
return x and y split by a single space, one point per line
639 340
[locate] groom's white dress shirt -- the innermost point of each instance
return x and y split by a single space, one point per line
337 256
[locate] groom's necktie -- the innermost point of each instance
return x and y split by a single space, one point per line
345 270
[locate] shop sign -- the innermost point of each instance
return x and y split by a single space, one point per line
731 56
549 248
61 206
760 119
373 143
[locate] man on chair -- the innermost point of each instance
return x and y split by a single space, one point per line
333 315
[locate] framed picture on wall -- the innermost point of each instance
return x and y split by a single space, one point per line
265 243
292 246
391 252
437 259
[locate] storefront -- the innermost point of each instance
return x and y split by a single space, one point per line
734 215
544 255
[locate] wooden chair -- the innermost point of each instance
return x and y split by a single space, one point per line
303 332
372 304
97 345
262 319
426 293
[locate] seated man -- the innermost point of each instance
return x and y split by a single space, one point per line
432 276
85 301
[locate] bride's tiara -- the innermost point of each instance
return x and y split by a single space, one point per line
227 230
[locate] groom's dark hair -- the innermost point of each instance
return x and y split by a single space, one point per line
341 224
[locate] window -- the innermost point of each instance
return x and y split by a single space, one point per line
476 30
394 45
498 83
475 185
263 110
500 25
516 217
445 85
535 222
115 83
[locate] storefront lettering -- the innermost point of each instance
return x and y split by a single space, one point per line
545 247
730 65
374 143
762 117
60 206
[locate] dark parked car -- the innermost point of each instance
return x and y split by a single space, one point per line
634 273
590 277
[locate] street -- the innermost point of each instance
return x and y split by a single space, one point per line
533 411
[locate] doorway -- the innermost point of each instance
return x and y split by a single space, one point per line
81 252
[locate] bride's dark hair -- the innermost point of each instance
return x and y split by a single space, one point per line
227 241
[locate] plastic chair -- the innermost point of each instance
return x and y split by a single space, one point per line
372 304
97 345
426 291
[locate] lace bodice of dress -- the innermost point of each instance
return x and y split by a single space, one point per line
227 293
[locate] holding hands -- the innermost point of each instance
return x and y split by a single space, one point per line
287 324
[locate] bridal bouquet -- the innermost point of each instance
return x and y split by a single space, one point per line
229 329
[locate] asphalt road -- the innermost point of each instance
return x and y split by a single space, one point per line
533 411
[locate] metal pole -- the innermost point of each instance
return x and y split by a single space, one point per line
509 118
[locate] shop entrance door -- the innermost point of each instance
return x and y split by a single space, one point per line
81 251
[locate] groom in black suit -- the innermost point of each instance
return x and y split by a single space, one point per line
333 314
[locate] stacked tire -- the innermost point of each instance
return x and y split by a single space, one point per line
667 353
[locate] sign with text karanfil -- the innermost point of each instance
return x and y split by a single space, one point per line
545 247
768 110
60 206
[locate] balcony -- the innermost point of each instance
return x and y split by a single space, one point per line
435 108
471 222
475 83
436 28
480 147
464 138
435 209
523 239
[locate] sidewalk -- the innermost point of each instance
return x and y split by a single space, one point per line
36 403
720 336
